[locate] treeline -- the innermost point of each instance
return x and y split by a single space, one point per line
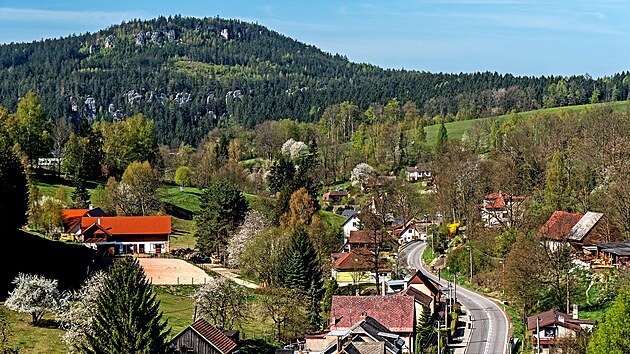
193 75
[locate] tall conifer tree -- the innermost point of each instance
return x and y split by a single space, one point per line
128 318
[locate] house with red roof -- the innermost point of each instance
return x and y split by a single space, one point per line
501 209
334 196
203 338
579 230
549 326
357 267
396 313
71 218
126 234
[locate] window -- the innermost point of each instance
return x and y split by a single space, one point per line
550 332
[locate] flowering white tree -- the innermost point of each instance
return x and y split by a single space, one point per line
34 294
222 302
76 316
361 173
294 148
298 149
286 147
253 224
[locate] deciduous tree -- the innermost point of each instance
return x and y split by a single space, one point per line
222 302
612 336
34 294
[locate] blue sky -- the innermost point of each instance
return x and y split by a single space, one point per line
531 38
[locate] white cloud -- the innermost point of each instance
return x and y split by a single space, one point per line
104 17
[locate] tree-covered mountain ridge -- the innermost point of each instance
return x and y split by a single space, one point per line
191 75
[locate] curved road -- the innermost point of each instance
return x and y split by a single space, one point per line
490 325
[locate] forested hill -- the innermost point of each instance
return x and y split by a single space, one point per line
190 75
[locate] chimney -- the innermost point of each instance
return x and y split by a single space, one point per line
363 316
575 312
99 221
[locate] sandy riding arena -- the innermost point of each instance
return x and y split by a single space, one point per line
161 271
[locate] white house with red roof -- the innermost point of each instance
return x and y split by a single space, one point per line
501 209
396 313
126 234
549 326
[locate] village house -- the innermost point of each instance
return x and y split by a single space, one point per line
357 267
548 327
501 209
352 223
368 239
334 197
203 338
425 292
367 336
580 231
419 173
71 218
396 313
126 234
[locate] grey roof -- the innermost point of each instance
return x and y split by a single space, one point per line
347 213
583 226
367 348
616 248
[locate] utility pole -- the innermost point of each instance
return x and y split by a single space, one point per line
471 264
567 292
438 330
537 335
455 284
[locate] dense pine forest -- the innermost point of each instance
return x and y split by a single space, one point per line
192 75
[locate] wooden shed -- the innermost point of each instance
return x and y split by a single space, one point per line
203 338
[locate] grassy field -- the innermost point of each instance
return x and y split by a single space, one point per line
183 233
189 198
457 129
330 218
176 303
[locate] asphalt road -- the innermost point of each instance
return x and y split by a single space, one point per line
490 326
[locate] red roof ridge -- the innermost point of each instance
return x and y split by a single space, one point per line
213 335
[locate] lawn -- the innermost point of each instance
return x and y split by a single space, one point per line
189 198
330 218
31 339
183 233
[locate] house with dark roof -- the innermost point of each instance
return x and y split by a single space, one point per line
425 292
203 338
396 313
419 173
549 326
580 231
126 234
357 267
501 209
367 336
